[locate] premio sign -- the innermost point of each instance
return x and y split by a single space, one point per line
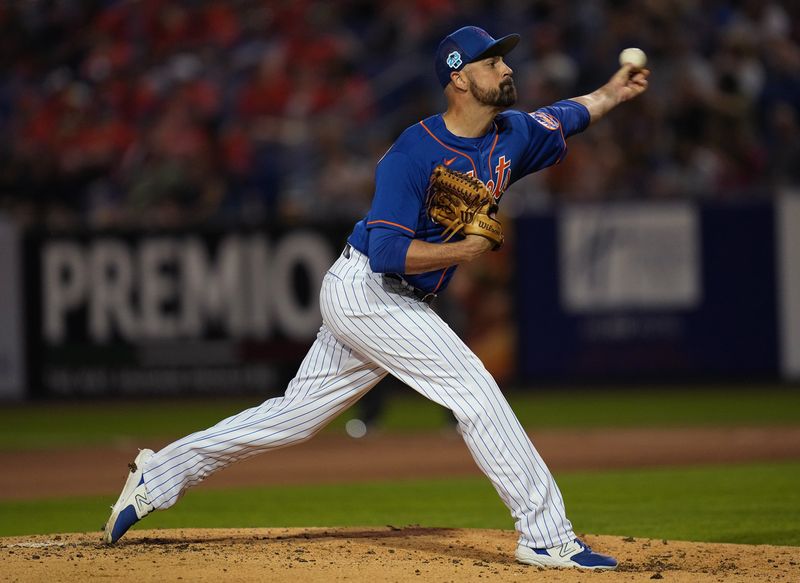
174 312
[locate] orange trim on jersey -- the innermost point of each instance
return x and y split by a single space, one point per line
563 139
441 279
422 123
393 224
489 161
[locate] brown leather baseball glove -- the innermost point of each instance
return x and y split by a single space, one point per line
462 204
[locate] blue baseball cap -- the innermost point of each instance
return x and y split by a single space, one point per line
466 45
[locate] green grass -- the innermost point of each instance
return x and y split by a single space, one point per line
52 425
48 425
754 503
564 407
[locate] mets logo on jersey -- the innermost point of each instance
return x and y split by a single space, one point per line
546 120
454 60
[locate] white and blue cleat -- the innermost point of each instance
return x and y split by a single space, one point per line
575 554
133 504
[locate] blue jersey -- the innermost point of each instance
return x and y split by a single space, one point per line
517 144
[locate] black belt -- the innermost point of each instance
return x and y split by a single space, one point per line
421 295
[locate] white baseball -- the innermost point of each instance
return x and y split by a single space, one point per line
634 56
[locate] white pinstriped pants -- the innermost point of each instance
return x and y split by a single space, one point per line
370 328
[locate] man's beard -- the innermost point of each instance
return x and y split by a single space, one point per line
503 96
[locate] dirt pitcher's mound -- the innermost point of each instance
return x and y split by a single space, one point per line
369 554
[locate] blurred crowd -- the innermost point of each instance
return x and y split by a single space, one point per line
156 113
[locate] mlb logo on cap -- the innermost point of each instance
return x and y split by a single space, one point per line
467 45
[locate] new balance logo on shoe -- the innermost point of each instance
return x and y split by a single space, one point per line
133 503
142 503
565 550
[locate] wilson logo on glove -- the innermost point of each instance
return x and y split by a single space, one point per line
462 204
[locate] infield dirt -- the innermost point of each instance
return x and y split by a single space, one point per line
370 554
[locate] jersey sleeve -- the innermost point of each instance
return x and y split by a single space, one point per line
548 130
400 190
387 250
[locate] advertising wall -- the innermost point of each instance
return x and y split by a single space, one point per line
636 291
654 291
169 312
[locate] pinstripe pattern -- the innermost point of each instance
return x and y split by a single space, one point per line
408 339
371 328
331 378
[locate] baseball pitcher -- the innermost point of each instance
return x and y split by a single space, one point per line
436 196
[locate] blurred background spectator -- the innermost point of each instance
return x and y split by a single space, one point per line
131 113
